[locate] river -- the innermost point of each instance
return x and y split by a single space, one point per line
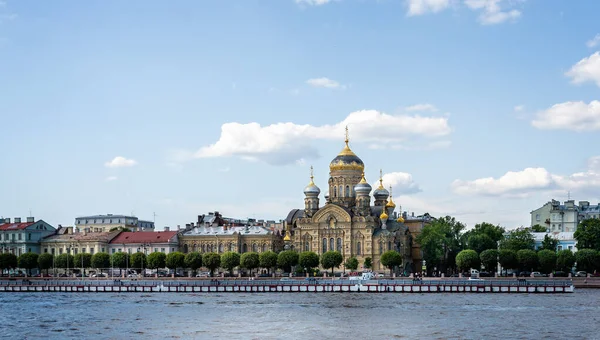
299 316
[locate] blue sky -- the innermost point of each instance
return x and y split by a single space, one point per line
480 109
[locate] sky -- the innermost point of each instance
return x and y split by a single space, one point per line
479 109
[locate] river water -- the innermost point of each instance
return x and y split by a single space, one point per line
299 316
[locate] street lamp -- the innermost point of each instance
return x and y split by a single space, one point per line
144 246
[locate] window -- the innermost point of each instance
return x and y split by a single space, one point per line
339 245
537 217
29 236
357 248
340 191
220 247
129 250
162 250
19 236
331 244
245 248
82 250
103 250
389 245
156 249
52 251
92 251
570 247
380 247
324 245
254 249
113 250
264 247
559 247
74 251
119 250
59 250
347 191
334 191
172 250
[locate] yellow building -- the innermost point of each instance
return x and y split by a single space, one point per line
220 239
68 242
348 223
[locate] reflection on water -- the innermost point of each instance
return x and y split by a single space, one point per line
299 316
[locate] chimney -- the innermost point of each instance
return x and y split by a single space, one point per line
30 219
7 220
167 228
17 220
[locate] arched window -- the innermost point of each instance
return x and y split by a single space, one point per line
245 248
348 191
380 247
203 249
334 191
324 245
185 248
331 244
254 249
306 246
264 247
339 245
389 245
357 248
340 191
220 247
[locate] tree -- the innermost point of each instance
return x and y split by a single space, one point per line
368 263
193 261
441 241
8 261
489 259
211 261
268 260
587 260
508 259
539 229
588 234
120 260
45 261
528 259
481 242
484 236
565 259
156 260
351 263
331 259
101 260
230 260
308 260
138 260
547 260
391 259
518 239
82 260
286 260
250 261
175 260
549 243
28 261
467 259
64 261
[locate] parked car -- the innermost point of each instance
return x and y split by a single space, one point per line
525 273
538 274
581 273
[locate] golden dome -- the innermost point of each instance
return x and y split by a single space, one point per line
400 220
346 159
383 215
287 236
390 203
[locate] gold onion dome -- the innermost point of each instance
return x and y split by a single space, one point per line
400 220
346 159
383 215
312 189
287 236
390 203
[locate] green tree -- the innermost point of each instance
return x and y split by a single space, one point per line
467 259
539 229
138 260
175 260
308 260
230 260
587 259
82 261
156 260
547 260
441 241
480 243
588 234
120 260
331 259
528 259
565 259
286 260
508 259
489 259
351 263
549 243
193 261
518 239
8 261
211 261
484 236
45 261
391 259
28 261
250 261
368 263
64 261
268 260
101 260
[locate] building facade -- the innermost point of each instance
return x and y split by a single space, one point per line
70 241
348 222
146 242
223 238
23 237
557 217
566 240
105 223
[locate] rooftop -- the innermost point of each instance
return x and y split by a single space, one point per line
98 237
144 237
245 230
15 226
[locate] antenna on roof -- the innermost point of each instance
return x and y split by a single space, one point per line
30 212
569 195
154 217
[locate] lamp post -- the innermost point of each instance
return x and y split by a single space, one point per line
144 246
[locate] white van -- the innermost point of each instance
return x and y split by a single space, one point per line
474 273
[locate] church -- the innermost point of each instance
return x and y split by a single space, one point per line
352 221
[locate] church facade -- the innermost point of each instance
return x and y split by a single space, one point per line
352 220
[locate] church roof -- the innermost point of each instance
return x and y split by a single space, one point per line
293 215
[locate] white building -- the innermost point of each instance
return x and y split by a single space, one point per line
566 240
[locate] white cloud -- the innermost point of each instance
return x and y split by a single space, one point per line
325 82
576 116
519 108
421 107
594 41
401 182
523 183
587 69
120 162
313 2
420 7
111 178
285 143
491 11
